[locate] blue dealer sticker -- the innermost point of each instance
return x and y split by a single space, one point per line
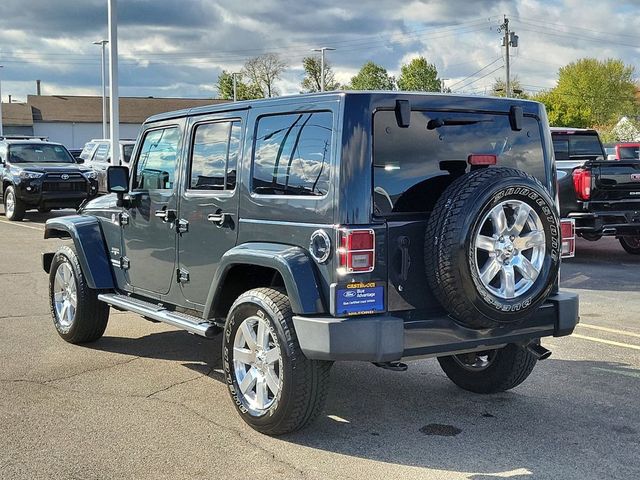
359 298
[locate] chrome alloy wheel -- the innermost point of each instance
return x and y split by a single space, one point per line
10 203
257 364
65 295
510 247
475 361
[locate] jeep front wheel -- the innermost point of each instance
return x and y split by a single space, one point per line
492 247
489 371
274 387
14 208
78 315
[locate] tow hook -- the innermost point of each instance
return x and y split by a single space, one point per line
538 351
393 366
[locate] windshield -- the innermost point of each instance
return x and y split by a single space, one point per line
127 150
413 166
629 153
39 154
576 146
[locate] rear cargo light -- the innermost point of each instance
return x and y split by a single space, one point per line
482 159
568 237
356 253
582 183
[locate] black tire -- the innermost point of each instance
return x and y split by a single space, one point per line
631 244
591 237
508 368
19 207
89 320
303 383
452 265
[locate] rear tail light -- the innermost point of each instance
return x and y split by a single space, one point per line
582 183
482 159
568 236
356 253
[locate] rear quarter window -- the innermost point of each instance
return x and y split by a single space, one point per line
414 165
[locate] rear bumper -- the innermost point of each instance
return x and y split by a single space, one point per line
607 222
388 338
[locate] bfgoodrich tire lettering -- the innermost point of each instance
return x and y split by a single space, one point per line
451 248
303 383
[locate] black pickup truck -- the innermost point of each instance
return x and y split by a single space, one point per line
602 196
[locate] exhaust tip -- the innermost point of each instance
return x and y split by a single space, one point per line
538 351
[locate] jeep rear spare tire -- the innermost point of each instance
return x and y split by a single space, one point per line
492 248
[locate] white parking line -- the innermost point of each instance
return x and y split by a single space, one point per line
15 224
608 342
610 330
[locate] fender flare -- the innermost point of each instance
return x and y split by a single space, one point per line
293 264
89 243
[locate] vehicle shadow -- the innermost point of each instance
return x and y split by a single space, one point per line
601 265
419 419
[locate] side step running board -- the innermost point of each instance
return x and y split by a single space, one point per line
156 312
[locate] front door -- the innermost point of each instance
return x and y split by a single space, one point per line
208 211
149 237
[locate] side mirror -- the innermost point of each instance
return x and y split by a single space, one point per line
79 160
118 182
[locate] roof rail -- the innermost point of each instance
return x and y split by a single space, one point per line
23 137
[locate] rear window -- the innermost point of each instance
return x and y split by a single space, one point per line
413 166
629 153
576 146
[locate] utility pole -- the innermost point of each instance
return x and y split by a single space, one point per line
322 50
1 66
114 99
235 86
510 39
443 87
105 133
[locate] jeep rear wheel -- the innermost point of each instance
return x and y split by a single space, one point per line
78 315
492 248
631 244
489 371
274 387
14 208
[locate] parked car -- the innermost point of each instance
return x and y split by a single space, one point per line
627 151
305 230
41 174
610 151
603 197
97 155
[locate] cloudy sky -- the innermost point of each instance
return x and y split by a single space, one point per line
178 48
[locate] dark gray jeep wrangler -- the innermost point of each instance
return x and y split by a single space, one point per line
342 226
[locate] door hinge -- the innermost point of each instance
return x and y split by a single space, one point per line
182 226
124 219
121 263
182 275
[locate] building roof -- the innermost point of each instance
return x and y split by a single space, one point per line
16 115
88 109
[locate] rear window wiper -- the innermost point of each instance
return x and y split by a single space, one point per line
445 122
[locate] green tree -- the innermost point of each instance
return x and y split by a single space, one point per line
264 71
312 80
499 88
420 76
591 92
372 77
244 90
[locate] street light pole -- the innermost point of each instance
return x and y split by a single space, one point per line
1 132
104 88
235 86
114 100
322 50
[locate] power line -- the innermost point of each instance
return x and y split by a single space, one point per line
475 73
480 78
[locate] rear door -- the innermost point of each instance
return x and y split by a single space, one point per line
208 210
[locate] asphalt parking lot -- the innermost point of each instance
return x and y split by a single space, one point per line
148 401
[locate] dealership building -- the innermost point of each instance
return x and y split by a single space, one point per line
74 120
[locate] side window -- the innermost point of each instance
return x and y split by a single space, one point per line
292 154
86 151
101 153
156 165
214 156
